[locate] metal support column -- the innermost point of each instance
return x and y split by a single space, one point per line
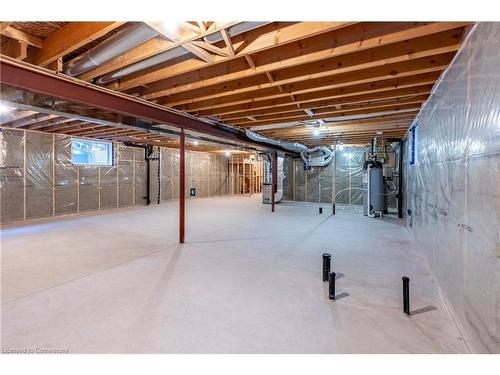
182 186
274 177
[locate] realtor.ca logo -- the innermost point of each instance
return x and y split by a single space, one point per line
35 351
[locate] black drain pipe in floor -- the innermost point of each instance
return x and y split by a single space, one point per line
406 295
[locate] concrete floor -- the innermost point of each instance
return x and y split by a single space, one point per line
246 281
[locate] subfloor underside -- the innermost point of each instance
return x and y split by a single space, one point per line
246 281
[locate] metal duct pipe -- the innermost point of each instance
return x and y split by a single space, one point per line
297 147
326 157
121 42
175 52
290 146
140 65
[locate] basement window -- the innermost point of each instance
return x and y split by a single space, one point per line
87 152
413 144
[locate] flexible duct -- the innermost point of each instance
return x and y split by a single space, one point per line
121 42
175 52
304 151
322 161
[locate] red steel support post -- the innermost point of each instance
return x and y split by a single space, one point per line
182 185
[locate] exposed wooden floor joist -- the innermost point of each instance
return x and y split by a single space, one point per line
273 76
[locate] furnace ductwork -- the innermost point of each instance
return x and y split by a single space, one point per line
290 146
319 156
173 53
121 42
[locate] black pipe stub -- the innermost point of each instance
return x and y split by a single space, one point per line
326 265
333 208
320 210
331 286
406 295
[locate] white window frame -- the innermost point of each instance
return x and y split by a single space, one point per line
110 156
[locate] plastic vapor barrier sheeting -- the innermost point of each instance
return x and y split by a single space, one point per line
316 184
451 184
349 175
12 175
38 178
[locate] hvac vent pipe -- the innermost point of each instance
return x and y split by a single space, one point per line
121 42
175 52
304 151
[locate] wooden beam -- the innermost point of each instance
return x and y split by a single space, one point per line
67 125
270 77
17 115
362 98
52 122
329 93
210 47
16 49
250 62
4 25
326 130
29 120
189 26
56 65
22 37
71 37
197 51
375 119
73 127
227 40
406 68
337 113
149 49
276 34
429 45
368 107
201 25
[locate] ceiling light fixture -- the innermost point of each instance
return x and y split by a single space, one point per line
228 153
196 143
5 108
170 26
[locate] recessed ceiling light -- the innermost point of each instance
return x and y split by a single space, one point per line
228 153
196 143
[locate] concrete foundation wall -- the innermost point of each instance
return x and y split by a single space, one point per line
451 182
